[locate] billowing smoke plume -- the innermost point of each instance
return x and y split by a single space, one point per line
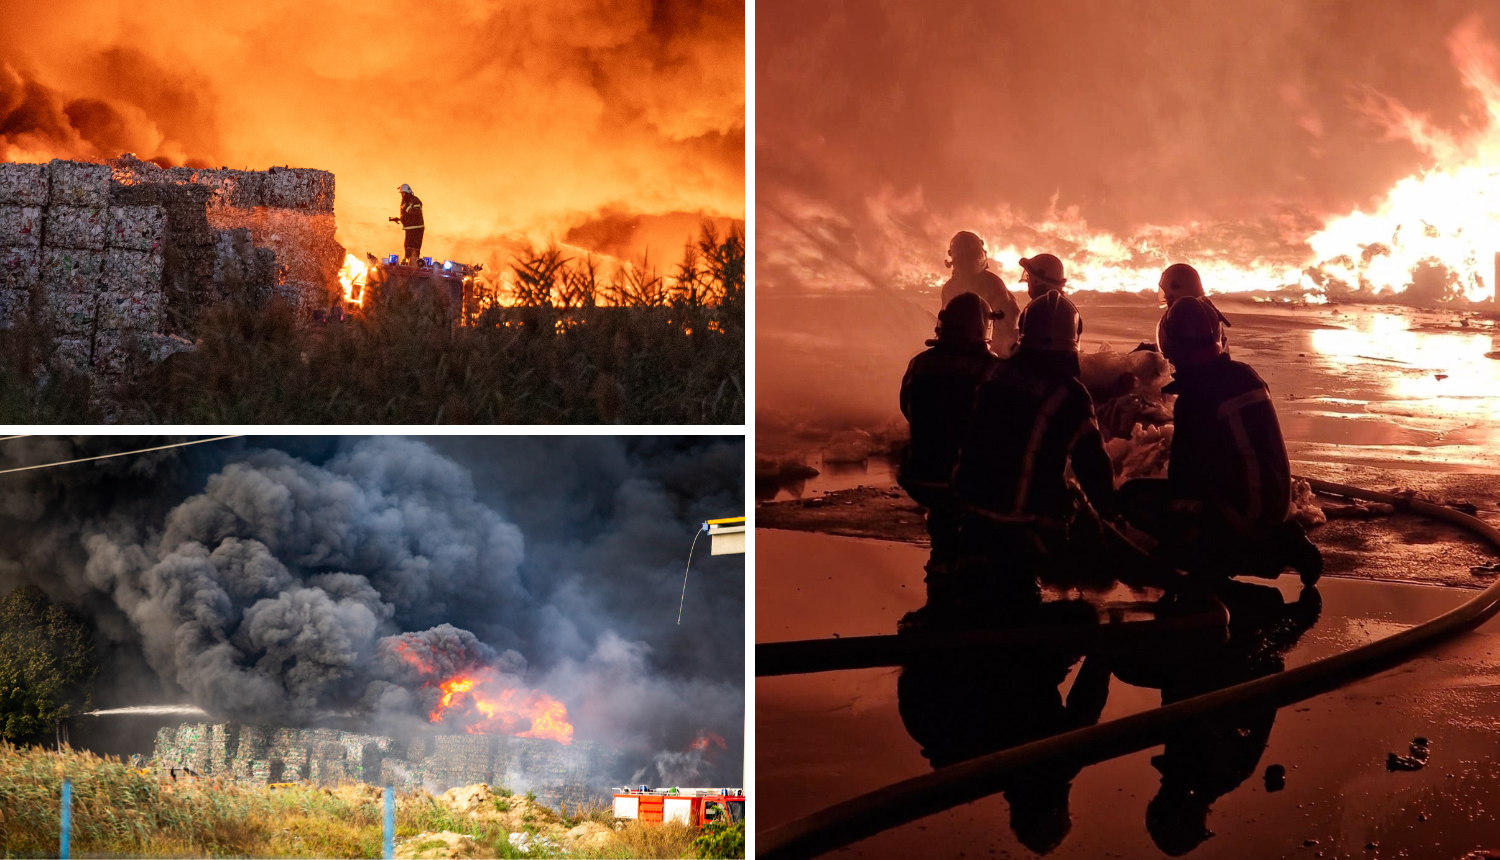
307 580
535 118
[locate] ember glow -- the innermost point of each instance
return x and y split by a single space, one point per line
705 741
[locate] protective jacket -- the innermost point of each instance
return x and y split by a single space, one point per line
411 212
1031 418
1227 447
988 286
937 398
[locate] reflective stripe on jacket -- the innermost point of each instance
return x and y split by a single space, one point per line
1030 422
411 212
1227 447
937 398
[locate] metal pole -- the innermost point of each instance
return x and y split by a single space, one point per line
388 848
67 818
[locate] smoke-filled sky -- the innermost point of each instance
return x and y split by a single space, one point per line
1271 115
542 117
291 579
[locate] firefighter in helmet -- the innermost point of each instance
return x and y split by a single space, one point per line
1020 517
1042 274
1180 280
411 222
937 396
971 274
1225 504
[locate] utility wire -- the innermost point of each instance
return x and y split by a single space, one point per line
128 453
685 573
6 438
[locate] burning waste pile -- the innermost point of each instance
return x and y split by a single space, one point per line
117 259
313 612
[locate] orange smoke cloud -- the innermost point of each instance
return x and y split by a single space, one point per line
519 119
705 740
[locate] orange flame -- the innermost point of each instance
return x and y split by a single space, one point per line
482 704
353 276
705 739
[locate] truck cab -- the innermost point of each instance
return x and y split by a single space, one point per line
692 806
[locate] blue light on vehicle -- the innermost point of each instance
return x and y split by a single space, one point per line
391 260
427 261
447 265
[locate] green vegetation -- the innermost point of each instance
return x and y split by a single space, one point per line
721 839
672 351
47 664
119 811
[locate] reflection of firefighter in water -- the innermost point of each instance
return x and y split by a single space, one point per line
1206 761
411 222
961 709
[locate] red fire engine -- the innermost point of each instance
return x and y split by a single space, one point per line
694 806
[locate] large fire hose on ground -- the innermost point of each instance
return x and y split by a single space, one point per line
906 801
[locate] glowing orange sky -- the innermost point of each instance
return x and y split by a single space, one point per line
506 116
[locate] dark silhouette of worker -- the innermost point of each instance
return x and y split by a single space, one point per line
1020 517
958 709
972 274
1224 507
1177 281
937 398
1042 274
411 222
1206 760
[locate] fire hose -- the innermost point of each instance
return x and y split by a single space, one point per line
911 799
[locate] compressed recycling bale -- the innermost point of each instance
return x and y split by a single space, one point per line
297 188
73 352
20 268
21 226
13 307
79 227
73 312
71 270
113 351
23 184
130 310
137 228
76 183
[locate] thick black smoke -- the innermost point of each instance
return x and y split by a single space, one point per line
292 581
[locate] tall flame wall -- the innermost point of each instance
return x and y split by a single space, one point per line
573 774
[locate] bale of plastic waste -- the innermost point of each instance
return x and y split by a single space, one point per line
71 270
20 267
137 228
73 311
130 310
133 271
23 184
80 227
77 183
21 226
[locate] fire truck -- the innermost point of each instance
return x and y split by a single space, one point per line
694 806
450 283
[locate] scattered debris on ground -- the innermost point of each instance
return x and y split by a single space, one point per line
1416 760
1275 777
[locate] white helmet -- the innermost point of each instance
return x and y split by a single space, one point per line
404 189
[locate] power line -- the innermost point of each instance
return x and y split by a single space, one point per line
121 454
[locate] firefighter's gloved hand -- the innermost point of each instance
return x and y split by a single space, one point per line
394 220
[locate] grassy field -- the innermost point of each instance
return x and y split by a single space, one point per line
122 812
674 353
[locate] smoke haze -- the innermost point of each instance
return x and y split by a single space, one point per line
509 119
284 581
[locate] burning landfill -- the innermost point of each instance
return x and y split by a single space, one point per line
357 608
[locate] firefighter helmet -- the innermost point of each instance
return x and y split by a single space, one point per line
1043 273
404 189
1178 280
966 244
1191 331
1050 323
966 319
